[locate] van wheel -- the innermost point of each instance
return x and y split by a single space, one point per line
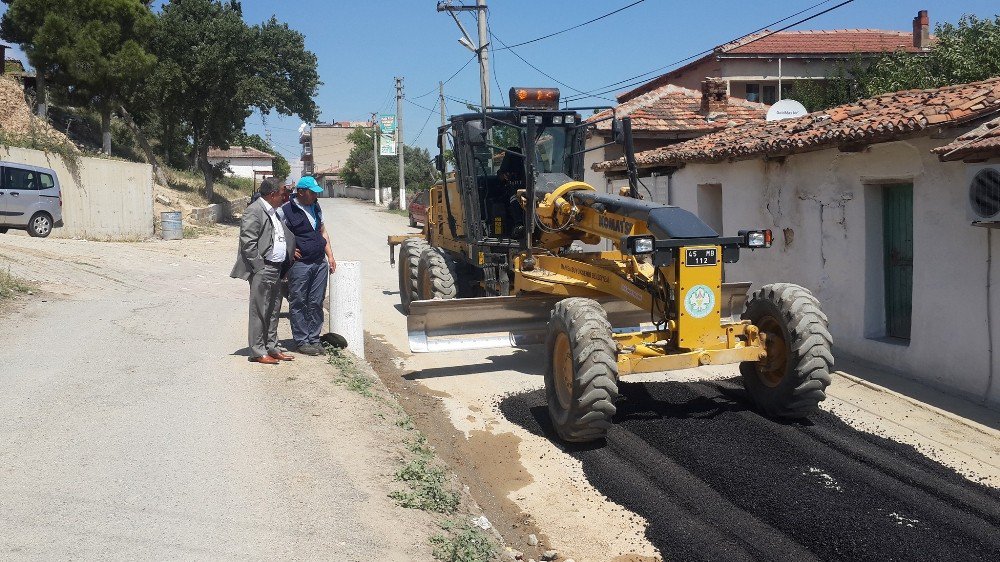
413 221
409 260
3 231
40 225
581 377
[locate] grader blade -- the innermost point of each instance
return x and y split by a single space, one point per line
490 322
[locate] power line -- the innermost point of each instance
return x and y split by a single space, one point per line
629 82
572 28
448 79
540 71
426 121
418 105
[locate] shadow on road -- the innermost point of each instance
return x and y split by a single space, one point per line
717 481
521 361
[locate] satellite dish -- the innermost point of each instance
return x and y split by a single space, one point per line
302 127
786 109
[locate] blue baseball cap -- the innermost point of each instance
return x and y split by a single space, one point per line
308 182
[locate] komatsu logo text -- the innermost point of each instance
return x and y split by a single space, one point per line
617 225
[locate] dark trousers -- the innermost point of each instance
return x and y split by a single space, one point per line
306 293
265 305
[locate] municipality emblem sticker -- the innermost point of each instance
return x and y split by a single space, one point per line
699 301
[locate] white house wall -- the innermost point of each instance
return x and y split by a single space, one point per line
245 167
827 203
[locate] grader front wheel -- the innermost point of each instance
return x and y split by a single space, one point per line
409 261
581 378
791 381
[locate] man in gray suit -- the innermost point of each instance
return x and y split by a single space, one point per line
266 251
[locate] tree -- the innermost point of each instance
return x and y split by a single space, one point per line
216 70
360 166
91 52
962 53
282 169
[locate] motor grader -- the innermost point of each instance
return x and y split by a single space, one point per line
500 262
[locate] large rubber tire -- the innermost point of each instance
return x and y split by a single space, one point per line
40 225
409 260
581 375
792 381
436 275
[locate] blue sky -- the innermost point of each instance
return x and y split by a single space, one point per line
362 45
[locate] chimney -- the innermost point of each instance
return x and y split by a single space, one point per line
921 30
713 96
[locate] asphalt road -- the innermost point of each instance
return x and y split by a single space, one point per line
688 471
133 427
717 481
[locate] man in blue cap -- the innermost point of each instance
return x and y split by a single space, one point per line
308 276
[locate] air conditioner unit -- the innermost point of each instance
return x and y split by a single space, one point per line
984 194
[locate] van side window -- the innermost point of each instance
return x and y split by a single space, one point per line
47 182
20 180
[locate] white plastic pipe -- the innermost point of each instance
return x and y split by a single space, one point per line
345 306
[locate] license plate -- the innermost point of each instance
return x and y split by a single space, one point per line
696 257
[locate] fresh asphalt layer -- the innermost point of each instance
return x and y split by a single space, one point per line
717 481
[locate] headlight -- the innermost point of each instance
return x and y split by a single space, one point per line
557 119
569 119
756 238
643 245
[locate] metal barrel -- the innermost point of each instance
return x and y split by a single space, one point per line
170 225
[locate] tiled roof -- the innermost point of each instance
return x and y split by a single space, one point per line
880 119
981 142
238 152
839 41
671 108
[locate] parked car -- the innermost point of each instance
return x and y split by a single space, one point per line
418 208
30 199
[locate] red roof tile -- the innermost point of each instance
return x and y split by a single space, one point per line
840 41
881 119
672 109
981 142
237 152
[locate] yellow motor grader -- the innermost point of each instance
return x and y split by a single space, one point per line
500 263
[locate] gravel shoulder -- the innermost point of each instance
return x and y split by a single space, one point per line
134 427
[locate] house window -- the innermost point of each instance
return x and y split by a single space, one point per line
753 92
710 205
770 94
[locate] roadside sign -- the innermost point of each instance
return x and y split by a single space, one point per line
387 145
387 123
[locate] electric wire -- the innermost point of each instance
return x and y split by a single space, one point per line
431 91
540 71
630 82
426 121
572 28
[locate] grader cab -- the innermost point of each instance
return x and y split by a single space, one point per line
499 263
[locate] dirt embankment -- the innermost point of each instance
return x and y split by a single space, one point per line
18 123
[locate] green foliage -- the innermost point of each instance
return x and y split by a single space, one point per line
348 374
91 53
428 487
11 285
962 53
360 166
215 70
282 169
462 542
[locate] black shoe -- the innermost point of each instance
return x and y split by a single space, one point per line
310 349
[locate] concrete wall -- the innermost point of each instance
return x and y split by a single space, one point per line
245 167
354 192
218 212
825 210
330 147
103 200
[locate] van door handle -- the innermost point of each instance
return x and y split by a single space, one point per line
15 194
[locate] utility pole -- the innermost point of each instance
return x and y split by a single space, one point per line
444 136
376 134
399 142
482 51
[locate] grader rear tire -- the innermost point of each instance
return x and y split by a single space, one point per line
436 275
409 260
792 381
581 377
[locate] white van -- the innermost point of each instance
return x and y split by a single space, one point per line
30 199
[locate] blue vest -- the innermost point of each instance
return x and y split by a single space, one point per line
308 240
